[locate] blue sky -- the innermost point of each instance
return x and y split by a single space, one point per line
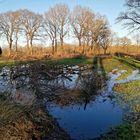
110 8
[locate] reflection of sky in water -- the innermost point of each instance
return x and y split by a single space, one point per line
5 83
132 77
80 122
98 117
71 84
8 85
68 82
95 120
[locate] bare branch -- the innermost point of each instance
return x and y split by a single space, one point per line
131 18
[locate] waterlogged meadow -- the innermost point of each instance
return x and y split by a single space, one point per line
77 98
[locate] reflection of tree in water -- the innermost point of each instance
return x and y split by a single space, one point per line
64 86
85 89
89 85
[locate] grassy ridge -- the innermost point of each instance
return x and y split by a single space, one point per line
130 94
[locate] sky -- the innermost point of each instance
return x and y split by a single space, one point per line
109 8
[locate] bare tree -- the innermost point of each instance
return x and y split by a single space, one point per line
31 24
105 40
78 22
131 17
125 41
62 11
95 32
88 26
9 23
137 39
115 39
17 29
104 35
51 27
99 31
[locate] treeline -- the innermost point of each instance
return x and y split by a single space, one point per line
88 28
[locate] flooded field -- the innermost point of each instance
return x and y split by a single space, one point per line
80 98
93 116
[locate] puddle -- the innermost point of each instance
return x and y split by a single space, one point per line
91 122
132 77
93 118
84 113
16 85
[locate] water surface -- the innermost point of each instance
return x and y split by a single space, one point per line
71 97
90 119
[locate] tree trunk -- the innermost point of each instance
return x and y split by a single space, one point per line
16 43
105 49
61 35
27 43
55 40
62 42
98 48
16 46
10 46
53 47
31 47
87 42
127 49
92 45
79 42
83 51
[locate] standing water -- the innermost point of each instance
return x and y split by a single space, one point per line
86 121
85 115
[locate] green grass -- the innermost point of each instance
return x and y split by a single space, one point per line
131 62
11 62
121 63
129 94
75 61
6 62
132 87
64 61
113 63
123 132
130 90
